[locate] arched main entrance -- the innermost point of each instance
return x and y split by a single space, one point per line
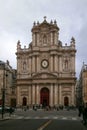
66 101
24 101
44 97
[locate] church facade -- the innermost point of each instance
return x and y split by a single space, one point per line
46 69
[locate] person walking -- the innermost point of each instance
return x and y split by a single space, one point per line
85 114
80 110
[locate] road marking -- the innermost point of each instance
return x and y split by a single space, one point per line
37 117
55 117
64 118
73 118
28 117
20 117
46 117
45 125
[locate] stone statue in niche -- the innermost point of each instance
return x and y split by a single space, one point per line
24 66
44 39
66 64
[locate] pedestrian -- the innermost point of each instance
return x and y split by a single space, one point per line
85 114
10 111
80 109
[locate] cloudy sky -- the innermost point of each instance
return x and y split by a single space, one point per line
17 17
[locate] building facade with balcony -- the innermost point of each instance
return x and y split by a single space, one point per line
46 69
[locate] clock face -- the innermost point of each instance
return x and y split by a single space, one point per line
44 63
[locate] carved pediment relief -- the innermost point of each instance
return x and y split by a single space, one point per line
44 76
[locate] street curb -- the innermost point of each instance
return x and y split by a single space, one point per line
6 118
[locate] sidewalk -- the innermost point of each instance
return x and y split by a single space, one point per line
5 116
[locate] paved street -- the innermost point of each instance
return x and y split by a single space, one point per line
43 120
43 114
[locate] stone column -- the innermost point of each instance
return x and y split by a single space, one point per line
51 65
56 38
73 95
38 39
18 96
60 97
38 64
56 63
60 64
73 63
33 39
51 95
51 38
58 93
33 64
37 95
30 65
33 94
29 95
55 94
19 67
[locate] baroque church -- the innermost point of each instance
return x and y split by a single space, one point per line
46 69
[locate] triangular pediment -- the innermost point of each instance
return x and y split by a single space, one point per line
44 75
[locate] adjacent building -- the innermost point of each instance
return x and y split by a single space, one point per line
46 69
81 87
6 83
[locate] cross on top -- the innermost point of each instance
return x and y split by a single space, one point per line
45 18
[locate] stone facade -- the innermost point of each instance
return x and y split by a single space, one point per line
46 69
6 83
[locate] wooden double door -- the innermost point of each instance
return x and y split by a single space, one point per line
44 97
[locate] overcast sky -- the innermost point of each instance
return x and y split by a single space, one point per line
17 17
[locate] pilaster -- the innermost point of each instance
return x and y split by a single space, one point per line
60 96
30 66
51 95
18 96
33 94
51 63
55 94
33 39
73 95
51 38
60 64
38 64
33 64
37 95
30 102
56 63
